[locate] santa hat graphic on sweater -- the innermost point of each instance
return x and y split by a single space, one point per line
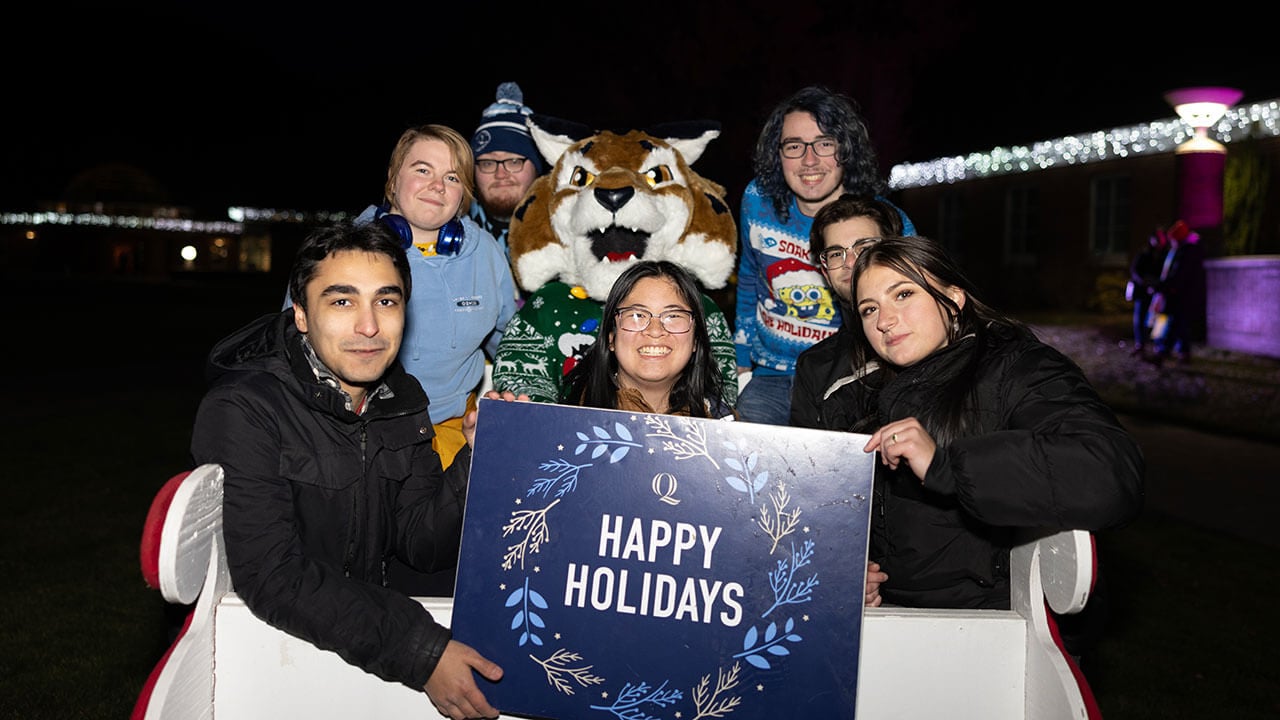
791 272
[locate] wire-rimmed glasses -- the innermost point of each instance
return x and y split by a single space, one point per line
634 319
837 256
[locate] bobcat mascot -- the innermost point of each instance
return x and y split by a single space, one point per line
609 201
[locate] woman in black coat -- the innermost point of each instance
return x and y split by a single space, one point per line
982 430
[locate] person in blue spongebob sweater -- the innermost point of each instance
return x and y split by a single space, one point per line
813 148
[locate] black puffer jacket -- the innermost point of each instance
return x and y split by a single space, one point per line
317 498
1041 450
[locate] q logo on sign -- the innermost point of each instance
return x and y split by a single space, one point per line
664 486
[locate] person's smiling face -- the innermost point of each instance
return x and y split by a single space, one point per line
354 317
845 234
815 180
903 322
651 360
502 190
428 191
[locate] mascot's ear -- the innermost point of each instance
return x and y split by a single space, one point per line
553 135
690 137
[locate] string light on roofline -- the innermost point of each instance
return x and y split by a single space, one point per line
1254 120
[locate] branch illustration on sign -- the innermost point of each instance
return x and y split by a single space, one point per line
772 643
534 522
525 616
746 482
604 441
565 479
708 706
627 706
692 444
786 592
555 667
781 522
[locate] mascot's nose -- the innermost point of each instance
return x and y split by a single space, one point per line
614 198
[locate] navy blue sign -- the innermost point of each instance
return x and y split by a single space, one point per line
629 566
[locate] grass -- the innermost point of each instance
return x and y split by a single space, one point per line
1193 626
97 425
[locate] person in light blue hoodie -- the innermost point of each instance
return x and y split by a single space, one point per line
464 293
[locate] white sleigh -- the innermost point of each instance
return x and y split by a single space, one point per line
957 664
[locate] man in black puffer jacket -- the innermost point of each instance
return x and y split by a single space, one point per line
325 445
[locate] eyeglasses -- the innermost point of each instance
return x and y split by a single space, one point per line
634 319
834 257
822 147
513 165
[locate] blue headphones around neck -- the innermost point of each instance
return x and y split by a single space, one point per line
449 241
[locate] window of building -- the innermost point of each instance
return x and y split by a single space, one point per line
1021 219
1110 221
255 253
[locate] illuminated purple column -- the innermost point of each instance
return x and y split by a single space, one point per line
1201 159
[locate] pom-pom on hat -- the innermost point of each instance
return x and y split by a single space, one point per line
503 129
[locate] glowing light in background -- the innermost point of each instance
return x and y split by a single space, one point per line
1239 123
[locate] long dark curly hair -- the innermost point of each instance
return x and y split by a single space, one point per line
837 115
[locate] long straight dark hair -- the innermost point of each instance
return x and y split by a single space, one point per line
927 264
591 381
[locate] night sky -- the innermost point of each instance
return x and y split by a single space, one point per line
207 105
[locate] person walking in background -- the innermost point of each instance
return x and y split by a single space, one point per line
1144 276
813 147
982 429
1180 293
507 162
653 353
325 445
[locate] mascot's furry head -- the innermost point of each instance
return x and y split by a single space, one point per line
613 199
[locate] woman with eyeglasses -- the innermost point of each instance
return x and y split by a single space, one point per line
653 353
982 429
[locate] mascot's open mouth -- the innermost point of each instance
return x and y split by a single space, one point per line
615 244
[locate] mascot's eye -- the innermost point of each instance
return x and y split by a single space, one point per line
581 177
814 294
657 175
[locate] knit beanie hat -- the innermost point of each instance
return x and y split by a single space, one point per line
502 127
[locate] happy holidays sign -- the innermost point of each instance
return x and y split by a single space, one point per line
633 566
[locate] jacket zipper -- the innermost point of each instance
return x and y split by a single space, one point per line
355 504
